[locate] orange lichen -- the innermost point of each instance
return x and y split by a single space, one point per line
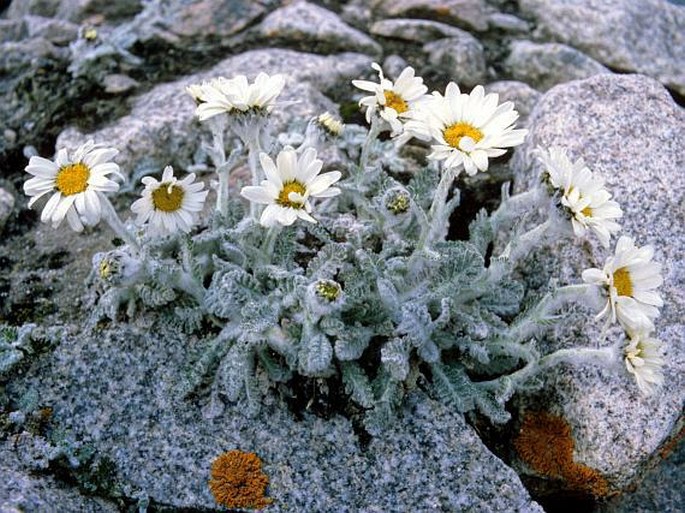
237 480
545 444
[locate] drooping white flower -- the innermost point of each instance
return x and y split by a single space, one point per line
582 195
226 96
289 184
630 280
644 361
75 180
468 129
171 205
394 101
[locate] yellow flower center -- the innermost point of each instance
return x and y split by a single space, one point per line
72 178
587 212
288 187
167 197
454 133
395 101
624 287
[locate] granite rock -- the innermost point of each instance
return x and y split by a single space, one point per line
660 491
75 10
47 8
308 27
20 491
645 37
420 31
12 30
460 59
545 65
468 14
523 96
208 19
17 57
59 32
158 131
115 391
626 127
508 23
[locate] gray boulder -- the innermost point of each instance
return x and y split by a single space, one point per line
627 128
20 491
646 37
75 10
545 65
159 129
468 14
309 27
420 31
59 32
116 392
460 59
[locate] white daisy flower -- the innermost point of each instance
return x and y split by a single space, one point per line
75 181
468 128
394 101
644 361
171 205
629 279
224 96
582 195
288 186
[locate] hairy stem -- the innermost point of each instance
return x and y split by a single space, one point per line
111 217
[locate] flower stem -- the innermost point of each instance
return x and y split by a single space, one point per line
253 150
269 242
111 217
222 171
371 136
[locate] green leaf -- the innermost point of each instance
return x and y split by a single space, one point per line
357 384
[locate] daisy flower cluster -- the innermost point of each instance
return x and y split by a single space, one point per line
629 279
236 95
465 130
581 195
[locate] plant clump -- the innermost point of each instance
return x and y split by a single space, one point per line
303 272
237 480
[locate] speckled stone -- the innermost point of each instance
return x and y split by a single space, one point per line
507 23
12 30
460 59
159 129
421 31
307 26
545 65
660 492
468 14
23 492
629 131
115 390
208 20
60 32
647 36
